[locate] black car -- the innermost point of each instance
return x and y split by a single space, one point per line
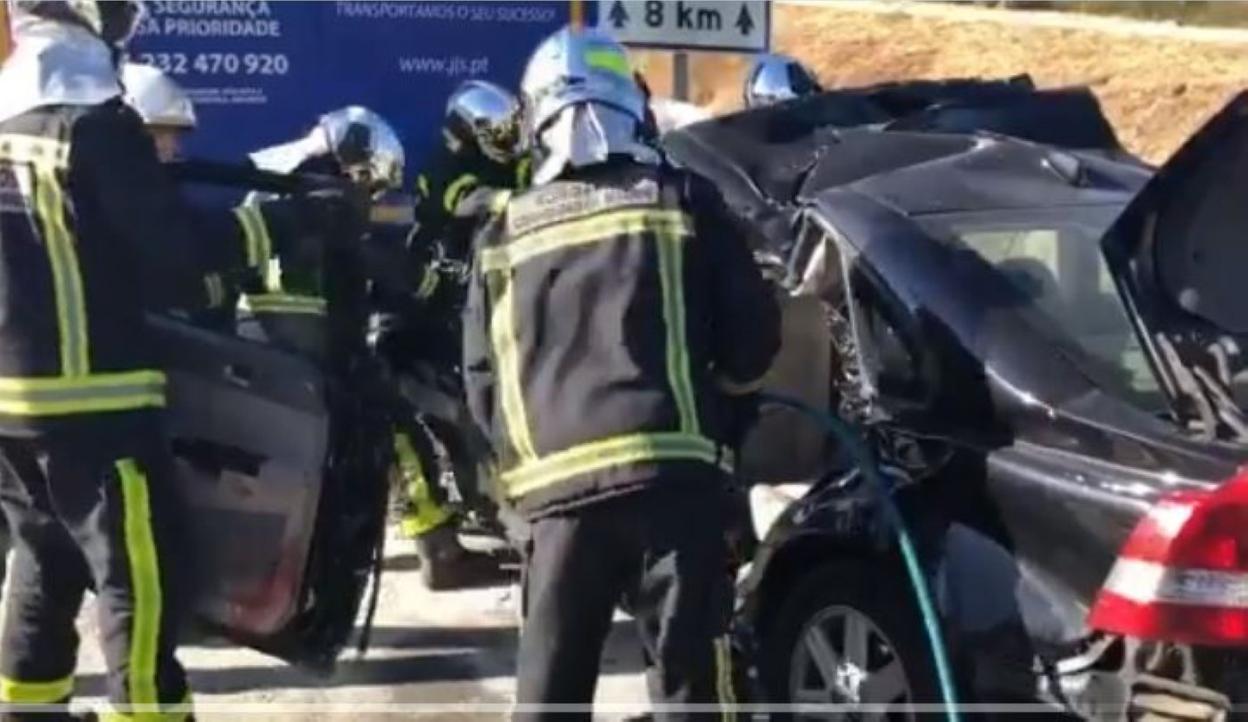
1043 339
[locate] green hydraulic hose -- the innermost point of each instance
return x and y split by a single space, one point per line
861 453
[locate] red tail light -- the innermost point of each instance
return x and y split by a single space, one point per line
1183 574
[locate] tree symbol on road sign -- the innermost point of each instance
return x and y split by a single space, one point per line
618 15
744 22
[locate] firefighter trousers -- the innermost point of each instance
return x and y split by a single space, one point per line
664 551
91 515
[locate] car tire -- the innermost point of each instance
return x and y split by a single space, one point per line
879 594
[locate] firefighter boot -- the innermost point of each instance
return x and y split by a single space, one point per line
445 564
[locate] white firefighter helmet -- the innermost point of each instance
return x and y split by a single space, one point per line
157 98
582 103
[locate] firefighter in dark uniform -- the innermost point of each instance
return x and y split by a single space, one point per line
287 306
478 157
614 310
92 234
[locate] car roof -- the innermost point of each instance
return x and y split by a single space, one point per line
767 161
922 173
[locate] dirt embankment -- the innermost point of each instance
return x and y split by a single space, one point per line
1157 87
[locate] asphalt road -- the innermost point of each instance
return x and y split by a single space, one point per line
448 655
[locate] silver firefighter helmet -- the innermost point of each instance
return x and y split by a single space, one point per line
362 143
156 97
775 78
64 53
365 146
582 103
484 115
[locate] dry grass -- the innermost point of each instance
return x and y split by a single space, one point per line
1156 90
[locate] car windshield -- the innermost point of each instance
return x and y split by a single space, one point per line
1057 266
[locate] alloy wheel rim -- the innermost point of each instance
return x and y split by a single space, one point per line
844 667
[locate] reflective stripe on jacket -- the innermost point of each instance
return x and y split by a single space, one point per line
92 234
284 292
602 308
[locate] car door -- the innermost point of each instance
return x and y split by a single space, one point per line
1178 255
249 430
283 466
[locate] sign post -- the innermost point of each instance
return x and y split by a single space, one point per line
735 26
6 40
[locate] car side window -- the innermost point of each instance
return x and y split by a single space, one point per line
887 345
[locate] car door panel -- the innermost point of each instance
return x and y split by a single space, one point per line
250 456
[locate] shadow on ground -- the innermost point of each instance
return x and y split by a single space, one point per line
415 655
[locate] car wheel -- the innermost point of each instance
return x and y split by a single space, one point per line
848 642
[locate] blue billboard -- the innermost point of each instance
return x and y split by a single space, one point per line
260 73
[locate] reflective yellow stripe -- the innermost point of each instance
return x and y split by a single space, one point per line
524 170
499 201
664 224
48 157
672 278
144 583
428 284
273 275
426 513
507 357
214 289
57 396
605 454
34 150
283 303
71 311
723 680
245 221
19 692
457 188
422 185
255 234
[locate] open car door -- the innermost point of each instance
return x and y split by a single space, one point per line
283 464
1178 255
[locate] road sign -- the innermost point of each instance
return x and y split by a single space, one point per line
260 73
732 25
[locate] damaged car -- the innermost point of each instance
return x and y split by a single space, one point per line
1042 338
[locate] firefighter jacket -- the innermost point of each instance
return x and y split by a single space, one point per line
610 315
92 235
444 186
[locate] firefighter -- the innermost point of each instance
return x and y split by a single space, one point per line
477 157
614 312
287 307
775 78
92 234
291 307
478 150
166 109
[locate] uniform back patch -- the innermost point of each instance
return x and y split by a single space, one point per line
568 200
